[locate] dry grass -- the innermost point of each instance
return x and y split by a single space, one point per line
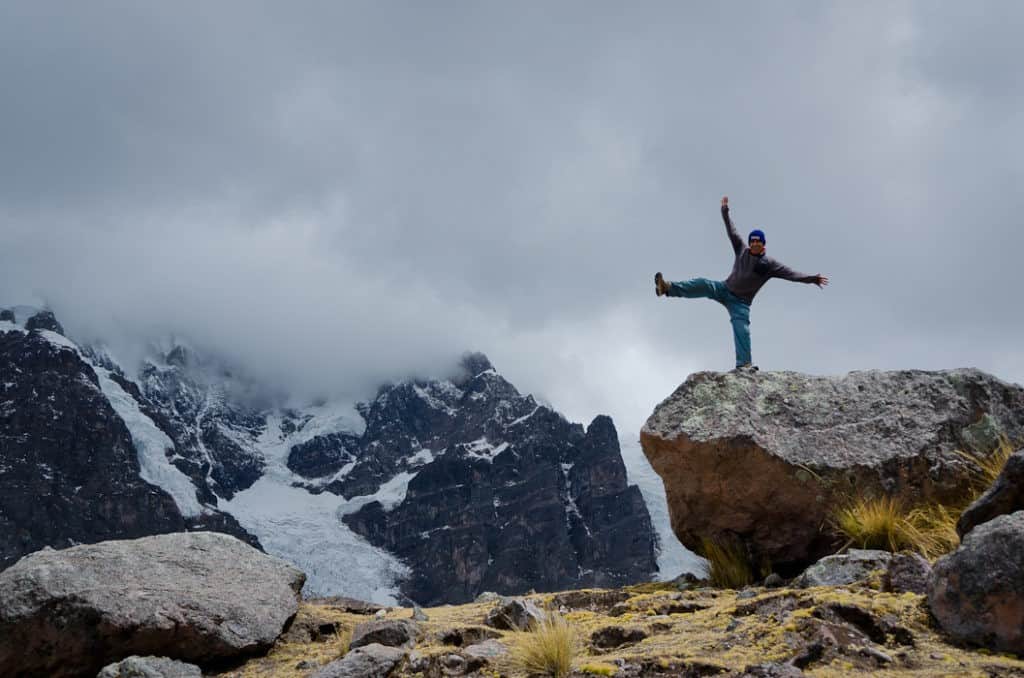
728 565
884 523
549 648
985 468
343 641
873 523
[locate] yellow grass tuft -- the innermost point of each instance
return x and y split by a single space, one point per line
599 669
883 523
728 565
343 641
934 529
872 523
549 648
985 468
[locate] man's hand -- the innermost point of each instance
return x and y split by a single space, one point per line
820 280
725 201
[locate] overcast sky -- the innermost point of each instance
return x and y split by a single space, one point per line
339 193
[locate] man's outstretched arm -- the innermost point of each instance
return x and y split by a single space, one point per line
734 237
780 270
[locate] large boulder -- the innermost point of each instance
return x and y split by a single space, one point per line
1005 496
764 457
200 597
977 592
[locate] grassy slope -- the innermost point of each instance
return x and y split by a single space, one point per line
773 628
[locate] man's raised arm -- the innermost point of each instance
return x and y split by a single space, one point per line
737 241
780 270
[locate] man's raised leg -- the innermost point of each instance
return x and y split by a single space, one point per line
694 288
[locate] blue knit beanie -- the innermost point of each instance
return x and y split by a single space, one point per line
757 233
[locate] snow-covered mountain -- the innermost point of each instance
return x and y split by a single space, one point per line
432 490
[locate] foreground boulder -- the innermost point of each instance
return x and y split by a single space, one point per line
198 597
977 592
764 457
1005 496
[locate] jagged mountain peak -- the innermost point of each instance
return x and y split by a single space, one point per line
473 363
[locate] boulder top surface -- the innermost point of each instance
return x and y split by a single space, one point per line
861 418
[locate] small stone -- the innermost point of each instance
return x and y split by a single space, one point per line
487 597
615 636
387 632
746 593
419 615
774 581
150 667
876 654
363 662
489 649
856 565
517 614
907 572
454 663
306 664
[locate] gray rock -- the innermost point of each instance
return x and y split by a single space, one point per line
774 581
1005 496
150 667
371 661
419 615
388 632
7 315
907 572
488 649
467 635
517 614
487 597
845 568
769 455
615 636
198 596
772 670
977 592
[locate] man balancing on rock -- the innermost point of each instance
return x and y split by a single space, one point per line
751 269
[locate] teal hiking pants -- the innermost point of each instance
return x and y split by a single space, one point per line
739 310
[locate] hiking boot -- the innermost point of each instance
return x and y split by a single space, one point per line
660 286
747 367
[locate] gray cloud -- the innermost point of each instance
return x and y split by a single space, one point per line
336 193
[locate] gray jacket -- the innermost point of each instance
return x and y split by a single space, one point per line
750 273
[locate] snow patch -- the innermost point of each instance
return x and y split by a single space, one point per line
520 420
306 529
481 448
150 444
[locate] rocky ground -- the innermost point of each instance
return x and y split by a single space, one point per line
820 631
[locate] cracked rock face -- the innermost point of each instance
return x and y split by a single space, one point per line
764 457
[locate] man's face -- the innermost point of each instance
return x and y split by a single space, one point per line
756 247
